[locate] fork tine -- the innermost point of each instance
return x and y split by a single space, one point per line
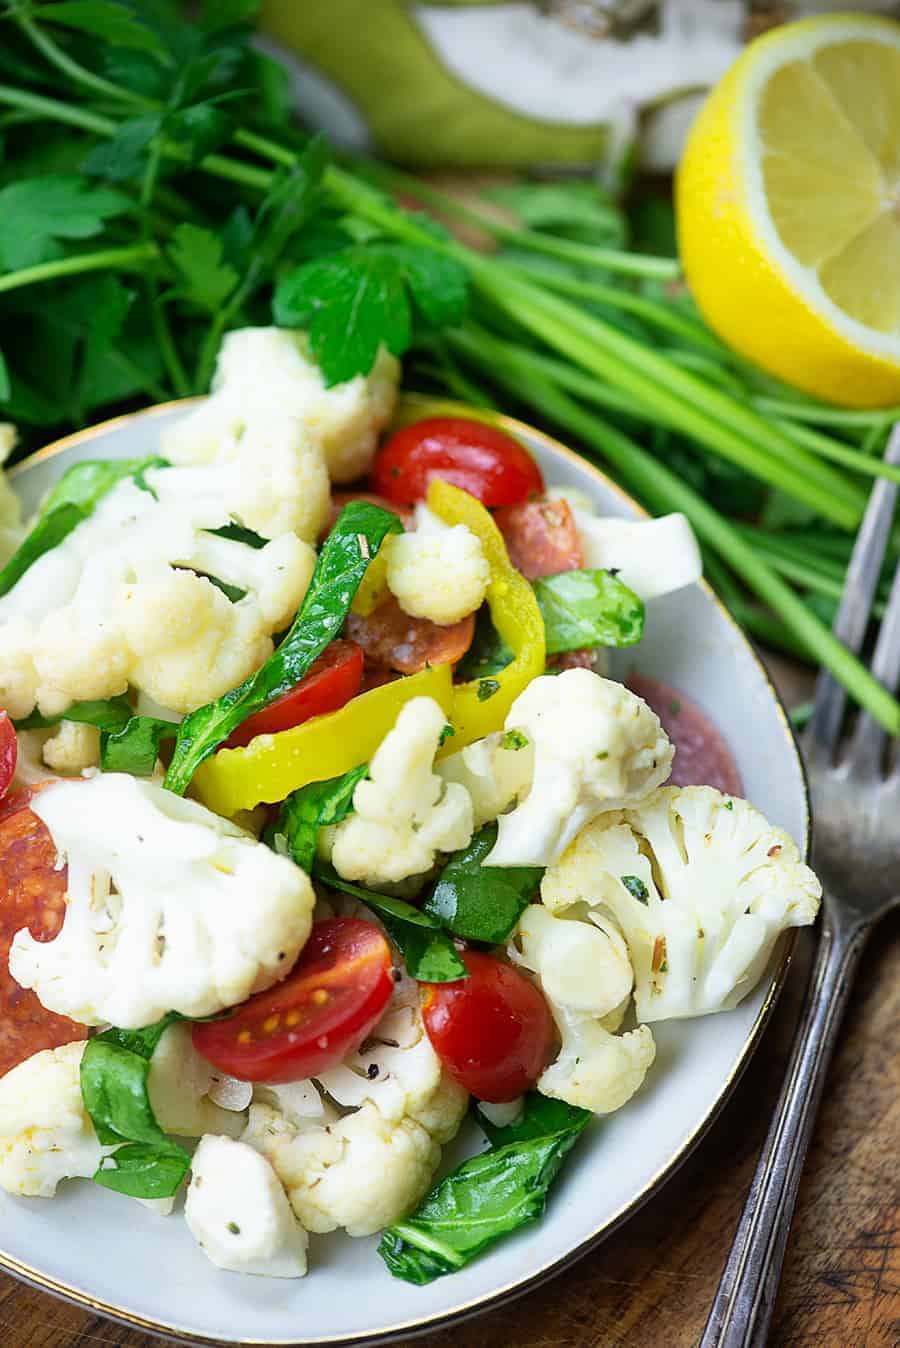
856 603
869 738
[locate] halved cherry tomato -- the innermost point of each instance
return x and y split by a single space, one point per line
485 462
324 1009
331 681
9 750
493 1031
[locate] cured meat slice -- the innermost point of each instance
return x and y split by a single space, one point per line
541 537
32 895
393 640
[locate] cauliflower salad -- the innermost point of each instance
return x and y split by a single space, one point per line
321 823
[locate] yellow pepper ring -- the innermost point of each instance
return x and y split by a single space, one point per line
481 705
272 766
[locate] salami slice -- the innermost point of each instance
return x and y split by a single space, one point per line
702 757
32 895
393 640
541 537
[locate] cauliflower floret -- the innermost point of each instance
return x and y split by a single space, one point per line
239 1214
701 885
359 1173
652 557
18 676
586 977
11 531
261 368
169 907
495 771
189 644
364 1170
72 748
268 467
46 1134
404 814
117 603
437 571
595 1069
179 1085
597 747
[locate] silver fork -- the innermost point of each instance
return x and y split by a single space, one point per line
856 852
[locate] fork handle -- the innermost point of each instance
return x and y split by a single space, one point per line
743 1306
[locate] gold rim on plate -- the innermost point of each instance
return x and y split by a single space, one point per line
501 1295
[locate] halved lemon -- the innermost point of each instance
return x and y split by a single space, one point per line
788 202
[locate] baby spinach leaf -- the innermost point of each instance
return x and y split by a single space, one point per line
353 542
488 653
109 715
134 747
71 501
483 1199
428 953
478 902
541 1115
114 1071
238 534
313 807
583 609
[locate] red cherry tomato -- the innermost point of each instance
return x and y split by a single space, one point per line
324 1009
493 1030
332 680
483 461
9 751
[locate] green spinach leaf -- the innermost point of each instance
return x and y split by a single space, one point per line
114 1072
347 552
428 953
110 715
134 747
488 653
313 807
71 501
541 1115
485 1198
584 609
478 902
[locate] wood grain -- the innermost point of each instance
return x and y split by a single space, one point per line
650 1285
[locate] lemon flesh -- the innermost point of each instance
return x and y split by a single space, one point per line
788 201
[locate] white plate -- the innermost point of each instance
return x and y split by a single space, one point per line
109 1254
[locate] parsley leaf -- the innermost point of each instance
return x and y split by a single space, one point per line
205 278
106 19
354 300
35 213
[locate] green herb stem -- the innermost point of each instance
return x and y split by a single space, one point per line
73 69
606 259
661 316
829 448
57 111
132 258
823 415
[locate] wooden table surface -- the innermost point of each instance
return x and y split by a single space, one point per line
650 1285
